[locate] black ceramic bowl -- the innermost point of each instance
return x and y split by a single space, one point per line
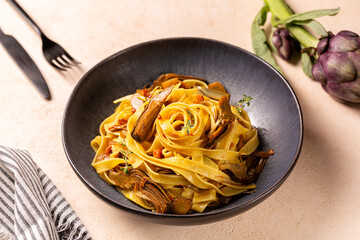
274 110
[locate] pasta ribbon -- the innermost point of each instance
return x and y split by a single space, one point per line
185 151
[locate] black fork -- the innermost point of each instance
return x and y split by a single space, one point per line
54 54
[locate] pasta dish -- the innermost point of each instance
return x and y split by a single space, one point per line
178 146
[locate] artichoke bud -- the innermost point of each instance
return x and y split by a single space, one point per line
322 45
338 66
283 43
318 72
344 41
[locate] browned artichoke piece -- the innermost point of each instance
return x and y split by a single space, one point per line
181 205
122 180
148 116
224 200
226 117
253 159
236 171
143 187
217 86
255 170
150 191
249 169
226 114
168 76
263 154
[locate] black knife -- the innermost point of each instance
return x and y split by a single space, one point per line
26 64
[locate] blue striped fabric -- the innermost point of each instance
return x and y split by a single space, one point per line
31 207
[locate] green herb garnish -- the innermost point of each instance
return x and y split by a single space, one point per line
126 168
187 127
190 114
126 157
245 101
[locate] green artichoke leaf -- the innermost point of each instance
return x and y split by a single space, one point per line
307 63
306 16
314 25
262 15
259 41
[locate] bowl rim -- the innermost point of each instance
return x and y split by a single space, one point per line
245 205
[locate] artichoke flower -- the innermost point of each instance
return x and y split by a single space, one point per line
283 42
338 66
332 60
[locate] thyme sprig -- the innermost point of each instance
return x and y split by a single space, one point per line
245 101
187 126
190 114
126 157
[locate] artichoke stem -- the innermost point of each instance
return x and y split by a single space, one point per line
281 10
303 36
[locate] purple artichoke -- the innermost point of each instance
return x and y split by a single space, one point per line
283 42
338 66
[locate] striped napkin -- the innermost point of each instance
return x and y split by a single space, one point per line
31 207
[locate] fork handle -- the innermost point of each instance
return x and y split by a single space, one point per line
27 17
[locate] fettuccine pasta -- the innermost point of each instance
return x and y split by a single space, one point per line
178 146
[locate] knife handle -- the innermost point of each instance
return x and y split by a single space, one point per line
27 17
2 34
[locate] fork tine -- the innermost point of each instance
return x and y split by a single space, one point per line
66 61
60 63
55 66
71 58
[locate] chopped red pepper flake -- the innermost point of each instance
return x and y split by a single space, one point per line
145 93
159 116
122 121
158 153
198 99
133 110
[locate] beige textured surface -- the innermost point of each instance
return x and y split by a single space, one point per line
320 199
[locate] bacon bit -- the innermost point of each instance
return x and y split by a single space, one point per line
158 153
159 117
117 127
145 92
171 198
121 124
133 110
108 149
198 99
122 121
